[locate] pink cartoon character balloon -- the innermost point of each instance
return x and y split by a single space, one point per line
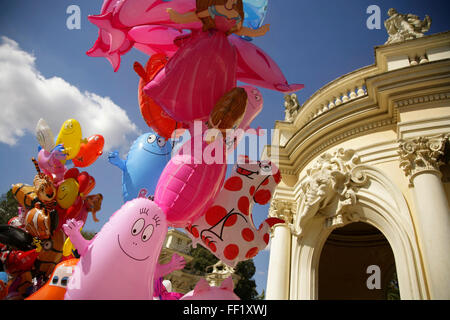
121 260
203 291
51 163
227 228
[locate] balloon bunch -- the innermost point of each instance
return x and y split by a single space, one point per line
32 242
198 51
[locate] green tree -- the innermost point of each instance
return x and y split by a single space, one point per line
202 259
8 207
246 286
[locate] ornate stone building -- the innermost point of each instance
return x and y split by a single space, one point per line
366 188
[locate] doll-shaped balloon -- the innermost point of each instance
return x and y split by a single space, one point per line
145 161
89 152
227 229
203 291
205 66
121 260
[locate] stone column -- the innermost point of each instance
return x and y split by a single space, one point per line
421 159
280 252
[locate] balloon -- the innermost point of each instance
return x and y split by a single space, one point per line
188 184
51 163
74 210
113 41
120 262
89 151
15 238
86 183
202 69
146 159
155 117
51 253
255 12
254 106
3 285
203 291
227 229
55 287
70 136
67 193
38 223
44 135
176 263
17 261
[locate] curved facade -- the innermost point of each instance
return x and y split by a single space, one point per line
371 147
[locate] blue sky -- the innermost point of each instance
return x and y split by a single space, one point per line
50 76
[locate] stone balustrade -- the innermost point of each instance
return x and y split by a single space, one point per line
339 92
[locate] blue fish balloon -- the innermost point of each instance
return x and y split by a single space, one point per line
145 162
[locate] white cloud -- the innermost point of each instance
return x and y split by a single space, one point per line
26 96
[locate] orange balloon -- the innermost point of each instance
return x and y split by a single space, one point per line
56 287
155 117
89 151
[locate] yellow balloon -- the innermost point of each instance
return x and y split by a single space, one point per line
67 193
70 136
67 249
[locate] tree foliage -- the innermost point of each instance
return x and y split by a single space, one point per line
8 207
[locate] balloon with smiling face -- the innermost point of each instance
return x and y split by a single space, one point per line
70 136
146 160
121 260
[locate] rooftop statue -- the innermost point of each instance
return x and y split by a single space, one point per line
402 27
291 106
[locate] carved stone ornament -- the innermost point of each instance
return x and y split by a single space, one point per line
291 107
402 27
283 209
423 154
330 189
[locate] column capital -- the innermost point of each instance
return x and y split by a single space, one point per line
283 209
422 155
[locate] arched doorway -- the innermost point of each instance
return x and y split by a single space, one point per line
357 262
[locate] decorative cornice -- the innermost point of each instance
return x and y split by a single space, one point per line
422 155
422 99
366 128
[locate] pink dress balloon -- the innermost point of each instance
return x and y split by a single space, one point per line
198 75
146 25
227 229
121 260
